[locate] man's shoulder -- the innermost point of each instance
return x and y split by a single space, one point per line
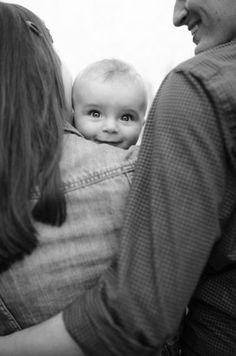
209 63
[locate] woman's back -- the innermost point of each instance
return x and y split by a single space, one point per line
69 259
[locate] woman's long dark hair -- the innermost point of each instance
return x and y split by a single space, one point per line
32 112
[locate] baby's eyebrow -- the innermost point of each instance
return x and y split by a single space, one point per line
129 111
93 106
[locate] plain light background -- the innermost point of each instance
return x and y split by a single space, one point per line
137 31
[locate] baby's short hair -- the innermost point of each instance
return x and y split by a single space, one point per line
108 69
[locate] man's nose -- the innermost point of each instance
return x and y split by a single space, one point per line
180 13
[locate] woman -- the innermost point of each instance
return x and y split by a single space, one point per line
62 197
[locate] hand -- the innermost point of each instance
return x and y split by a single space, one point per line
49 338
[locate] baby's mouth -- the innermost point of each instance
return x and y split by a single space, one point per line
113 143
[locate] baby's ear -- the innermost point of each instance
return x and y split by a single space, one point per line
71 118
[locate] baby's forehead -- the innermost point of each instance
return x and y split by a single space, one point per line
118 78
115 80
108 70
103 76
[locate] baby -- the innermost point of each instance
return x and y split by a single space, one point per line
110 103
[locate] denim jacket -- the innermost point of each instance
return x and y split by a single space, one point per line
69 259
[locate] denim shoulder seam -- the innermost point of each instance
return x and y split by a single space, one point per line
101 175
94 177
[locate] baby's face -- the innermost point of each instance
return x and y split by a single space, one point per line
110 111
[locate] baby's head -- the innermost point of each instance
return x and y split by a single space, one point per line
110 102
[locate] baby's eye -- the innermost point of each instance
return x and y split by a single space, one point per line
94 113
127 117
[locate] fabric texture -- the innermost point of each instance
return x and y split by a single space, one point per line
69 259
178 245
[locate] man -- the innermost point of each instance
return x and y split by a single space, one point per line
178 246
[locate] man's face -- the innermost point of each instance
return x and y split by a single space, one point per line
211 22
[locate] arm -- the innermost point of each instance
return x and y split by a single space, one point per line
50 338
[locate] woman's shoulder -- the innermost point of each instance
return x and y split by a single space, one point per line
85 161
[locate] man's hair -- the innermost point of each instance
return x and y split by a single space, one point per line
32 112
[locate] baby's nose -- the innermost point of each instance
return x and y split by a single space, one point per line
110 125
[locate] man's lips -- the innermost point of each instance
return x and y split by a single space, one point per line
193 27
